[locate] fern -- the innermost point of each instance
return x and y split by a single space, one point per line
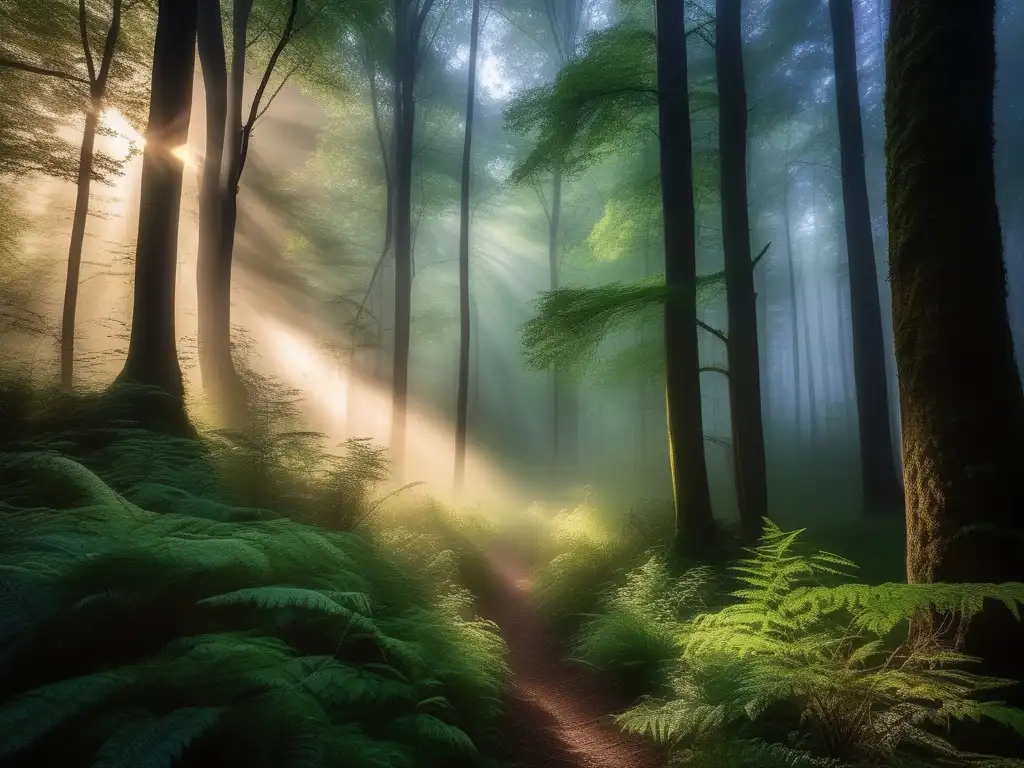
156 742
808 667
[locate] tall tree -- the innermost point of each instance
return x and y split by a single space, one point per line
695 525
98 77
742 350
152 349
96 38
564 19
409 18
881 490
960 392
462 397
229 133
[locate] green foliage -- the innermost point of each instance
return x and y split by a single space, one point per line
811 673
601 103
40 108
191 636
634 636
570 322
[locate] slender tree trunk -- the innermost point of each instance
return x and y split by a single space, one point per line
960 392
794 311
554 271
152 350
845 365
81 215
696 531
744 367
406 44
97 94
812 383
212 284
462 398
881 489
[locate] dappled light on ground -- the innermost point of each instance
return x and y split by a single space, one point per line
559 713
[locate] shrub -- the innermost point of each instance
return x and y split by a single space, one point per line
203 635
801 671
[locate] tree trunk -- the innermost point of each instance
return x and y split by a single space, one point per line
81 215
881 490
405 73
462 398
744 367
213 277
696 531
97 94
960 392
152 350
794 309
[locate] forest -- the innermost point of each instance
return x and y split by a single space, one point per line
511 383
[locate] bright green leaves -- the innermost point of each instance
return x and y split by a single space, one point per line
603 102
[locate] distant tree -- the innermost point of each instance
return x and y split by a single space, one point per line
744 368
152 350
465 329
960 392
97 35
881 491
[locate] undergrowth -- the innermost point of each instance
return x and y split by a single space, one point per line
799 665
158 607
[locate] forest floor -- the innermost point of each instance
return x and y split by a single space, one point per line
558 712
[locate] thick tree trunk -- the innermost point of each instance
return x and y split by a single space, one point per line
213 276
462 395
881 490
744 367
97 94
152 350
696 531
960 392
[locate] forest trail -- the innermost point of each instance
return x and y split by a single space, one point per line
558 713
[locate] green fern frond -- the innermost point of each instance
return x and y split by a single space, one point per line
158 742
28 718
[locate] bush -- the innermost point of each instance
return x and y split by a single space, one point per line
799 672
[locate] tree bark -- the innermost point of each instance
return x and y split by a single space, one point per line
97 94
462 395
960 392
152 350
408 23
881 489
213 280
744 367
696 531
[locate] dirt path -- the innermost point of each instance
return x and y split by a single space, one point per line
558 712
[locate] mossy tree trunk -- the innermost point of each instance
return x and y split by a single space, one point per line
696 532
879 483
152 349
960 391
744 367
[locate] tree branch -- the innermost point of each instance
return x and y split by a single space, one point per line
83 27
713 331
713 369
12 64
